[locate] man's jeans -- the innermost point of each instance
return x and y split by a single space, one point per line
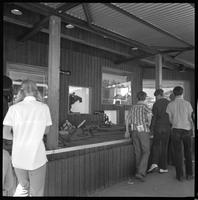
179 137
141 144
160 148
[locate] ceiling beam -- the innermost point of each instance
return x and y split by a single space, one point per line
177 54
146 23
164 64
67 6
87 13
43 10
172 47
36 28
132 59
185 63
177 50
165 56
71 38
38 8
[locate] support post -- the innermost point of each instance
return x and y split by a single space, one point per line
54 79
158 71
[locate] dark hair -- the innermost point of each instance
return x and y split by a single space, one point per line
172 97
7 88
158 92
141 95
177 91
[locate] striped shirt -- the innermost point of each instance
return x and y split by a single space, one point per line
140 115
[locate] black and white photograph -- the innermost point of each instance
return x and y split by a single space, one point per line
99 99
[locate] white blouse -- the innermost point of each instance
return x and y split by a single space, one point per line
28 119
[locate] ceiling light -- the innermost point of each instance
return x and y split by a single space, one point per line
16 12
134 48
69 26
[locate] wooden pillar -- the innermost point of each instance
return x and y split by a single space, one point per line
54 79
158 71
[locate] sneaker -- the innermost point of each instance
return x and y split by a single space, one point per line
181 179
189 177
140 177
163 170
130 181
152 168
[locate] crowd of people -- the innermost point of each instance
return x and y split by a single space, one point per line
28 120
170 124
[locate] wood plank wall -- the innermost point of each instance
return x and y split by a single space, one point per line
86 71
82 172
84 62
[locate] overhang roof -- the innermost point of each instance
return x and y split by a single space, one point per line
166 28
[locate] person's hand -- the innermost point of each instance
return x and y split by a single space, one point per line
127 135
151 134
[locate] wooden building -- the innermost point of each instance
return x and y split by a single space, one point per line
107 38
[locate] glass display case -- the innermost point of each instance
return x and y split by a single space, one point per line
116 88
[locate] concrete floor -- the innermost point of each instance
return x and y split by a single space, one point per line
156 185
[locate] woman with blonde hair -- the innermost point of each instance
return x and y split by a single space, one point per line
29 120
28 86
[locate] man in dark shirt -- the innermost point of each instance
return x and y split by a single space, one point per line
160 127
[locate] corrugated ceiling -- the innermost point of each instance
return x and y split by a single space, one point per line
177 19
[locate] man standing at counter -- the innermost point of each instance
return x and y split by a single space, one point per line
160 127
139 118
30 120
180 116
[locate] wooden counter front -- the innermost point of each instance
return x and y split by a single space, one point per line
81 170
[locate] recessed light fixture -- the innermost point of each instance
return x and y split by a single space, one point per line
69 26
134 48
16 12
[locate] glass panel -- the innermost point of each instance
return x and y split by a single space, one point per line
116 89
112 114
79 101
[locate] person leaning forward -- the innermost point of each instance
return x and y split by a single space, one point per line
160 127
30 120
180 116
139 118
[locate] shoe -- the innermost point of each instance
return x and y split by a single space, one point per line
189 177
140 177
153 168
130 182
181 179
163 171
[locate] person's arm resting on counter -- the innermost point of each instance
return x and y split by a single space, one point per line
128 119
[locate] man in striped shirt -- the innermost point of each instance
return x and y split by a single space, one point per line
139 118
